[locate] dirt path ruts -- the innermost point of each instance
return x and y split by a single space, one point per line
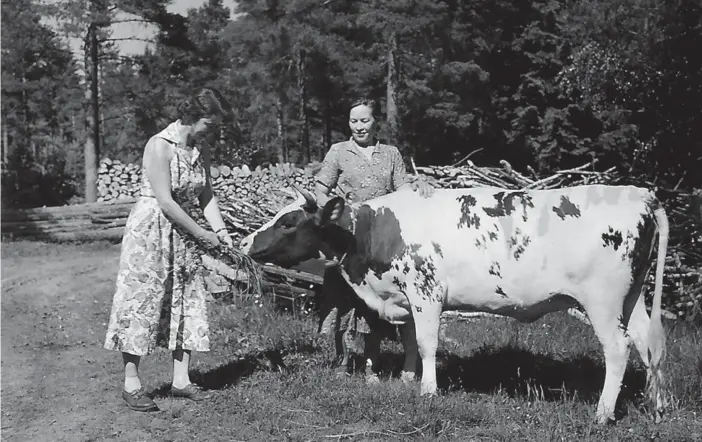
53 312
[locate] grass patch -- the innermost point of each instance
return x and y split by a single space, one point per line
272 375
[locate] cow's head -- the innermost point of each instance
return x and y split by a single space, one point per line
299 232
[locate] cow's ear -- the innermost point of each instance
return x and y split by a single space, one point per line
331 212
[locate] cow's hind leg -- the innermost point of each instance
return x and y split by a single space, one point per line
615 343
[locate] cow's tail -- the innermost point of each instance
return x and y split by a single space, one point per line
656 334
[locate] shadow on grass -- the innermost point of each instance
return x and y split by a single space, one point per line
516 371
520 373
234 371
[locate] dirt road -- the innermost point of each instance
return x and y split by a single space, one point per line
57 381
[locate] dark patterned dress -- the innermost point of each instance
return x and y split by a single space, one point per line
160 298
349 172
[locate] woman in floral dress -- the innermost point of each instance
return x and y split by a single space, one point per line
160 298
362 168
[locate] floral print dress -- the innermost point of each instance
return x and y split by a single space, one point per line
358 178
161 298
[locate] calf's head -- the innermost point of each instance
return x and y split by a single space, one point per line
299 232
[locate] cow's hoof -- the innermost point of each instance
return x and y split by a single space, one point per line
407 377
605 420
341 372
427 392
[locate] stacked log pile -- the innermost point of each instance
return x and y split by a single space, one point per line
118 181
250 198
80 222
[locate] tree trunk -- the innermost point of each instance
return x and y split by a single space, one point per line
326 134
28 124
304 122
282 151
92 141
393 121
5 145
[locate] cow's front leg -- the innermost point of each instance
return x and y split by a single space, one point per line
409 343
372 356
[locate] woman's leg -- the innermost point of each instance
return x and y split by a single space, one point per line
181 366
131 372
133 393
181 385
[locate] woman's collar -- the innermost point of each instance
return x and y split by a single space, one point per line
377 143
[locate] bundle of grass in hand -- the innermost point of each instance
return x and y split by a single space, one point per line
235 266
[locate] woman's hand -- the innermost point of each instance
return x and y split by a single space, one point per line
209 239
423 187
224 237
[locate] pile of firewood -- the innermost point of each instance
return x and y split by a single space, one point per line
249 198
78 222
118 181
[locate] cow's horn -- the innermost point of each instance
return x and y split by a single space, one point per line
310 200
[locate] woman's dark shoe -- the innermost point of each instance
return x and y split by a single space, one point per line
190 391
138 400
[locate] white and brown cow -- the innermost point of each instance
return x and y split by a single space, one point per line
515 253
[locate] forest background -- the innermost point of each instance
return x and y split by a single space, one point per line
547 84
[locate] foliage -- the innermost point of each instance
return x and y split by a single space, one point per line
543 83
27 184
39 109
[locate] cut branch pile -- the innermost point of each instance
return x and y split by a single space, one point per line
506 177
684 259
249 198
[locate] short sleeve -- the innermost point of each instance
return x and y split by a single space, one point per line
399 172
328 175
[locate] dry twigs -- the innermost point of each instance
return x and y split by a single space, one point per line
249 198
417 430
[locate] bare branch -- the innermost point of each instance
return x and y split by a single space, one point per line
130 38
115 57
113 117
133 20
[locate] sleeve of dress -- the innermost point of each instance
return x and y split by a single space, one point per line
399 172
328 175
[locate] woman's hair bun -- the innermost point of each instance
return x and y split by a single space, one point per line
205 102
